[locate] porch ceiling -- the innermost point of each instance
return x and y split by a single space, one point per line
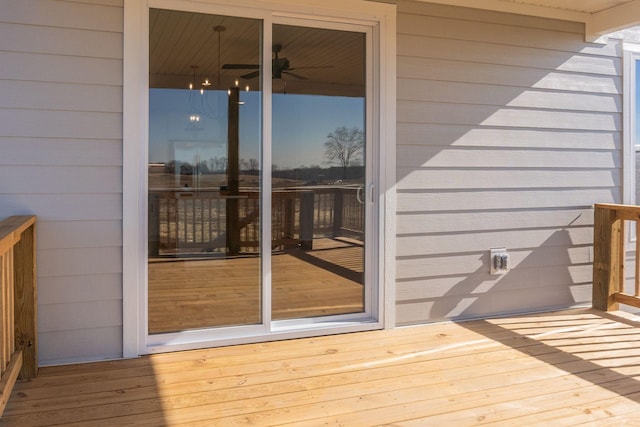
599 16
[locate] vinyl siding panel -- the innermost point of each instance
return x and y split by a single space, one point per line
423 134
509 129
86 343
61 139
486 94
60 152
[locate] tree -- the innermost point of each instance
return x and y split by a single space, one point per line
254 166
344 147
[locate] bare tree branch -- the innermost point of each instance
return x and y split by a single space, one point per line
344 147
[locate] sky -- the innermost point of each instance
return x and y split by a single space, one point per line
300 127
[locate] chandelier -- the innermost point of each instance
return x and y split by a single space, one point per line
199 103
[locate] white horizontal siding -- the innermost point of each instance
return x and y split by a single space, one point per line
18 151
509 129
435 156
510 96
416 18
479 52
60 41
61 139
54 179
61 124
468 114
86 315
60 68
473 286
80 288
470 221
479 15
79 234
538 78
60 96
79 14
63 207
80 345
479 200
433 179
478 242
79 261
475 136
413 270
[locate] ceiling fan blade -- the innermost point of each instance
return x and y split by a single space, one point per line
297 76
240 67
251 75
307 68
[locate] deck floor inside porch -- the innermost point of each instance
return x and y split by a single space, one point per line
563 368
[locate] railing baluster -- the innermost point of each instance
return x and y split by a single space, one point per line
182 221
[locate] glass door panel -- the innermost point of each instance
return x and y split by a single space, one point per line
318 172
203 171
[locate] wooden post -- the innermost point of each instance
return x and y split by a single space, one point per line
154 225
608 253
233 173
338 206
288 205
306 220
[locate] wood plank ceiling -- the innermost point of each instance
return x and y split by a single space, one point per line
320 61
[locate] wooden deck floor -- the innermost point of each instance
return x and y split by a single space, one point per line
198 293
565 368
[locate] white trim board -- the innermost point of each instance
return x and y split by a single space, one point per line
135 129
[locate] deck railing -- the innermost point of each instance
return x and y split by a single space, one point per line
18 318
609 253
184 221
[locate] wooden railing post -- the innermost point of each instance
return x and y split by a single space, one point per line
154 224
306 220
338 211
608 253
18 312
288 205
26 319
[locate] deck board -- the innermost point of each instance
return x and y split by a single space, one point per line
191 293
563 368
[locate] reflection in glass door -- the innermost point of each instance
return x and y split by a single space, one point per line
204 172
318 172
206 227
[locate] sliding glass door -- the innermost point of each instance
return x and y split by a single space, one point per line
204 172
318 172
220 154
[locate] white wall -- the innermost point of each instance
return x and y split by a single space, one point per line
509 129
61 159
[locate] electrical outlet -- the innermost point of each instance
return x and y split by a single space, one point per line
499 260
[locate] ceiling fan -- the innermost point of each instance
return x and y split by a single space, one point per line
279 67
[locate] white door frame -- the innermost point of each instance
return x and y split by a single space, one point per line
380 121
